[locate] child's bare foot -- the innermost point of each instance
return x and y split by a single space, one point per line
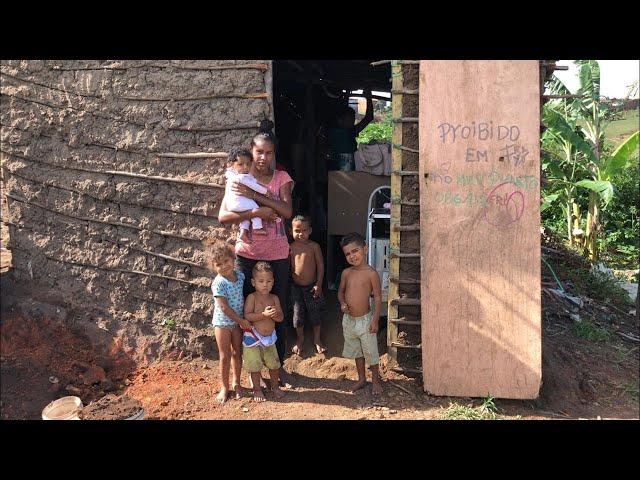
359 385
320 348
258 396
260 231
376 389
237 392
284 380
222 396
297 349
278 393
263 384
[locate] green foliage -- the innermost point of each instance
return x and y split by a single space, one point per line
169 323
582 169
597 285
377 131
622 354
601 187
592 332
620 243
632 389
488 406
486 411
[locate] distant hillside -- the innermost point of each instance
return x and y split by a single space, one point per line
619 130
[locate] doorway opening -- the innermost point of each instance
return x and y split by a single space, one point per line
309 100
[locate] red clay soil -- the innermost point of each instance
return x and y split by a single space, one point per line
44 359
581 379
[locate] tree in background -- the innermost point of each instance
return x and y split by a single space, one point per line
575 157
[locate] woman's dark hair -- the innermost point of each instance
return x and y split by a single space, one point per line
236 153
265 132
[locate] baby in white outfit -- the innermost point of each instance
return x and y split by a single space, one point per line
239 164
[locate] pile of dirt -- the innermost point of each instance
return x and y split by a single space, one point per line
112 407
334 368
318 366
44 359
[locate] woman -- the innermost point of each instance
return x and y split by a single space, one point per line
275 207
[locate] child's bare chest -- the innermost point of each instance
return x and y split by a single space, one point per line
301 250
261 303
359 281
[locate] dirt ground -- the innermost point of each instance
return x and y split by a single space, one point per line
581 379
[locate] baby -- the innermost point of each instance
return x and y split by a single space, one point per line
239 164
262 309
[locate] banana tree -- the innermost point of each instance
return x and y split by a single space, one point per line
562 163
600 170
595 115
580 123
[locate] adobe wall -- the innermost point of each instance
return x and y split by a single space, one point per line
122 249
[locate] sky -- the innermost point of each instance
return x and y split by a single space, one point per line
615 76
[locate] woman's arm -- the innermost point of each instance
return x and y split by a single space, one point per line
227 216
282 207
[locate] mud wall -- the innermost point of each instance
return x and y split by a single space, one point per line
410 240
105 208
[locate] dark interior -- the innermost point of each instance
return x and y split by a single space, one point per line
307 94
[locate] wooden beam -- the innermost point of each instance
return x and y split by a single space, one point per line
114 172
404 345
406 228
402 321
193 155
406 301
396 210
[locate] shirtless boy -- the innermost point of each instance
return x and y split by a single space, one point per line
263 310
307 272
359 323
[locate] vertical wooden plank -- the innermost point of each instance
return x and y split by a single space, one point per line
480 227
396 192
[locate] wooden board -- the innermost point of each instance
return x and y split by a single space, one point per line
480 228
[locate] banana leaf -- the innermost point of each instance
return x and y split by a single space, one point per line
556 121
621 156
603 188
